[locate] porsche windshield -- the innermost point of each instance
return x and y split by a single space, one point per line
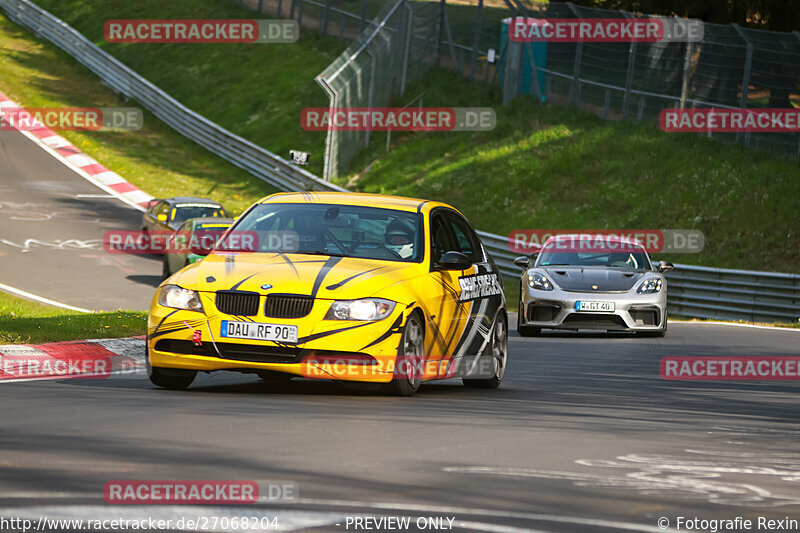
634 258
328 229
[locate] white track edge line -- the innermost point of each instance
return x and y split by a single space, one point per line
82 173
25 294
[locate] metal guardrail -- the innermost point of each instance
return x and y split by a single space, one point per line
704 292
693 291
258 161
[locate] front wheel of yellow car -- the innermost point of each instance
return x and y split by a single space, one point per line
498 350
410 359
170 378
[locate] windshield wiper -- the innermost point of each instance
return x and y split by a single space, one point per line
319 252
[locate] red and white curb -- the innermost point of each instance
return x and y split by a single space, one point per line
75 159
89 359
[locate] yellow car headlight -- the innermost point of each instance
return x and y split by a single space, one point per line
179 298
363 309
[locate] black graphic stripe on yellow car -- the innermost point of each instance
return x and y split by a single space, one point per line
322 334
351 278
326 268
240 283
289 262
393 329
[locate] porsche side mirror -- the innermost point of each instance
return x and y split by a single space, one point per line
453 261
663 266
522 261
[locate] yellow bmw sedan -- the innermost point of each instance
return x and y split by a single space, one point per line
341 286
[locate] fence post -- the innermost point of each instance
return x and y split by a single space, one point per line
626 99
280 8
291 9
446 24
260 5
323 19
511 77
341 26
371 87
406 48
748 69
576 66
476 41
363 15
687 67
300 13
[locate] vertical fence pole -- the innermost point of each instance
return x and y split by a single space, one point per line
300 13
260 6
476 41
341 26
687 68
576 66
291 10
446 23
748 69
363 15
632 49
640 111
371 88
323 20
406 48
511 74
280 8
607 104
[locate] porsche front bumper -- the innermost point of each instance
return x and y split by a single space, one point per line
556 309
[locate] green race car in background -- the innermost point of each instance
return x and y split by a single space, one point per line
192 241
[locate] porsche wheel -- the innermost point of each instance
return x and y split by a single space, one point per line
498 350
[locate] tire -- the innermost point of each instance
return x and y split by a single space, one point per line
498 351
410 359
165 273
526 331
170 378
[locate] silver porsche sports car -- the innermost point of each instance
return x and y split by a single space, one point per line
587 281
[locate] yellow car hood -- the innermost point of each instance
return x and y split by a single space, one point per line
317 275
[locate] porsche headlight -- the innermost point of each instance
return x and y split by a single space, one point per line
650 286
364 309
179 298
538 281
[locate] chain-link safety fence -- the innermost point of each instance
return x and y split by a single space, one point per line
732 67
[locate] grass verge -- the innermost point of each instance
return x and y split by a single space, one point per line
26 322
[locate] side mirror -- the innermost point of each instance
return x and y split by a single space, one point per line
663 266
162 217
453 261
522 261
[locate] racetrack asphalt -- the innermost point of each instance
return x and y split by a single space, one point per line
52 223
583 436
